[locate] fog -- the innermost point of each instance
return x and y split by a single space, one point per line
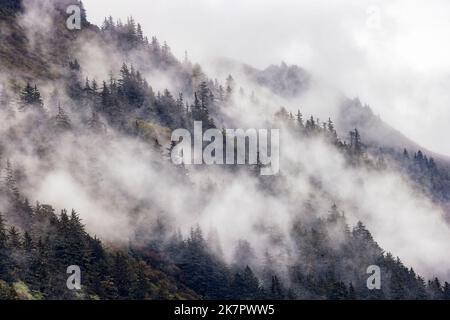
120 186
394 55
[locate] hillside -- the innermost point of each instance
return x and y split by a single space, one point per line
87 124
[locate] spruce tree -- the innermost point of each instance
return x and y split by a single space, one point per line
30 97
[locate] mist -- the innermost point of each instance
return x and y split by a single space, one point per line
121 187
394 55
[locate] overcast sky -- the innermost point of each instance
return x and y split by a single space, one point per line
394 55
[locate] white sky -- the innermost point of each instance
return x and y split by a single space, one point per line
393 54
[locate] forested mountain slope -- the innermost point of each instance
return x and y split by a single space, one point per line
143 228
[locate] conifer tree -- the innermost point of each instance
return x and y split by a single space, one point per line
62 120
30 97
300 119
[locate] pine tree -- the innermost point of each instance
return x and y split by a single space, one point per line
139 33
30 97
332 131
95 124
245 286
74 65
14 238
244 254
156 49
28 244
351 292
4 251
165 52
405 154
204 94
230 84
338 291
11 182
62 120
3 235
122 275
435 289
276 289
446 295
300 119
84 21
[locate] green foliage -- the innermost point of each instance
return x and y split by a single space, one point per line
33 264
